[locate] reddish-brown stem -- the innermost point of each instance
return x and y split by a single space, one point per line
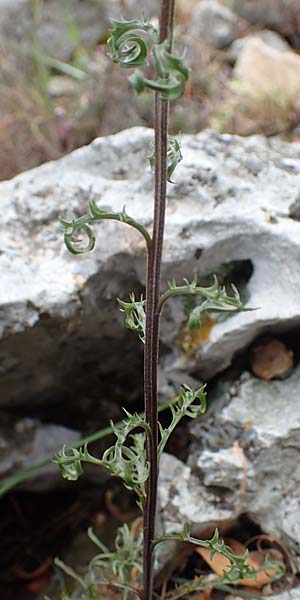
151 354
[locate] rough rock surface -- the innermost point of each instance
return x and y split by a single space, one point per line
91 18
245 458
283 15
268 73
58 314
214 24
27 442
292 594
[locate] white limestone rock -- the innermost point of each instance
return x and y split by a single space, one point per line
58 312
249 456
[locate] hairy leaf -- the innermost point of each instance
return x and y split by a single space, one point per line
135 317
174 156
239 567
214 299
127 462
96 213
184 407
126 46
171 70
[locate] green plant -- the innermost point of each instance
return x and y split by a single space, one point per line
140 441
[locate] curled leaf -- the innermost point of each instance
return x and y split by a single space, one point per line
127 462
74 242
126 46
135 317
69 462
96 213
171 70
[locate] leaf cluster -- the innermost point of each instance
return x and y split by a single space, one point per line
127 462
112 568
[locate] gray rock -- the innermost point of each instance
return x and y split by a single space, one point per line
214 24
270 38
247 455
282 15
91 19
27 442
292 594
59 321
183 500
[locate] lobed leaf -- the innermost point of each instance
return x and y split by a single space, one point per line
174 156
171 70
71 228
135 317
239 567
126 46
127 462
184 407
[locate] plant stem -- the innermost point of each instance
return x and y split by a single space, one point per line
151 354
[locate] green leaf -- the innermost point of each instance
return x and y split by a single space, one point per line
184 407
135 317
174 156
239 569
75 244
126 46
214 299
71 228
171 70
127 462
69 461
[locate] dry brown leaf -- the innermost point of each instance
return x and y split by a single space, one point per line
204 595
272 359
190 339
220 563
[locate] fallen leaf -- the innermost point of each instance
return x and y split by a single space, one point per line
190 339
271 359
205 595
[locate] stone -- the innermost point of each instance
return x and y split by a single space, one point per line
63 307
89 19
214 24
26 442
271 359
270 38
182 499
268 73
282 15
290 594
246 453
243 460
